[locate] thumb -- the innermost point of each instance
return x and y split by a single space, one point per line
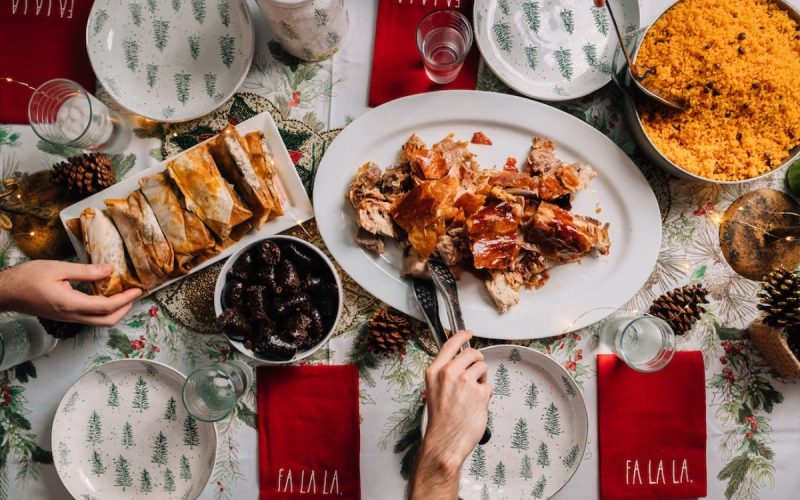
85 272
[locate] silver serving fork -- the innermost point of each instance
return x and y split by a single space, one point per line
426 297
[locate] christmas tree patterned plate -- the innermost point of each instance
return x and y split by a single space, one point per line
551 49
170 61
539 425
121 431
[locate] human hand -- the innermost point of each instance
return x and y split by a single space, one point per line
42 288
458 402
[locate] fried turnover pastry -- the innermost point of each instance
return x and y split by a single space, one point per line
103 245
191 240
148 248
206 193
267 170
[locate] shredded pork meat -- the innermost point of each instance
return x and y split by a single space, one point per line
511 226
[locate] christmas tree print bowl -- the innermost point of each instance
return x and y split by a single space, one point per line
551 49
121 432
170 61
539 425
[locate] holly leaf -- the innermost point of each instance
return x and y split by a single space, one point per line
42 456
771 397
136 323
247 415
699 273
119 342
25 372
18 420
726 333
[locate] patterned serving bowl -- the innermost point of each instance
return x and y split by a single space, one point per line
622 78
222 281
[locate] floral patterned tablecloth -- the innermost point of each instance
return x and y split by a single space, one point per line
752 414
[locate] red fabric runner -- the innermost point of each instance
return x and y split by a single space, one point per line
308 432
397 68
41 40
652 429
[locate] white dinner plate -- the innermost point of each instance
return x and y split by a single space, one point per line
570 300
121 431
297 206
539 426
551 49
170 60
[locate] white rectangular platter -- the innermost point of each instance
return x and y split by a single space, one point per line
297 206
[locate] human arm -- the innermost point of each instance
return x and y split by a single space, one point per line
458 401
42 288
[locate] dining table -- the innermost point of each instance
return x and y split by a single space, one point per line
752 413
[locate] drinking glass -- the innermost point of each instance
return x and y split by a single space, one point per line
646 343
210 393
444 38
62 112
22 338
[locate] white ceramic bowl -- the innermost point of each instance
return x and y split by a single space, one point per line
222 279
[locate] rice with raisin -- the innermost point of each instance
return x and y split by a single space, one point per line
737 63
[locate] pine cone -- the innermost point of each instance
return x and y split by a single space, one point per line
84 175
388 331
681 307
780 298
60 329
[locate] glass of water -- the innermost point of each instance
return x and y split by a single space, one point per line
62 112
210 393
646 343
444 38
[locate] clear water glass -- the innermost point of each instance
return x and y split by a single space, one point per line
646 343
444 38
210 393
62 112
22 338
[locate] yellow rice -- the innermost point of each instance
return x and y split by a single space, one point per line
737 62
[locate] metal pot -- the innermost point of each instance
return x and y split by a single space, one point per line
622 78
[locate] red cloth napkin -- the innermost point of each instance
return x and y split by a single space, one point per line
652 429
308 432
397 68
41 40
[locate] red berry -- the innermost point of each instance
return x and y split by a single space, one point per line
723 360
749 435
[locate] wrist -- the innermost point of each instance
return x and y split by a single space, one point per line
5 287
440 458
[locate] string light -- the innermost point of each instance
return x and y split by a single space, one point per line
23 84
766 232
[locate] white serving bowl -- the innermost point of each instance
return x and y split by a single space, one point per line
222 280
